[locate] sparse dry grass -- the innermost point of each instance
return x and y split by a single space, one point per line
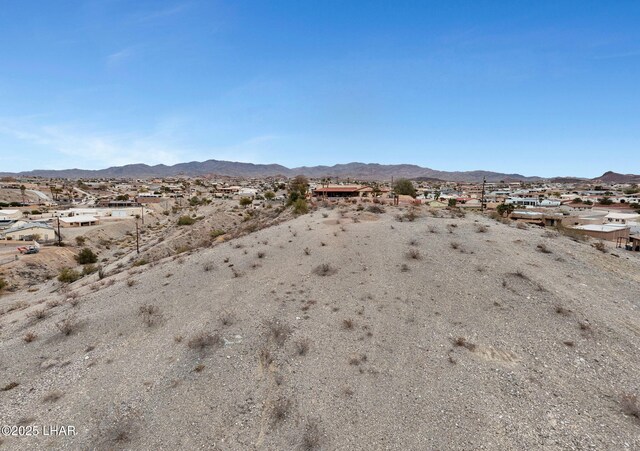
600 246
462 342
227 318
280 410
37 314
348 324
205 340
151 314
311 436
29 337
543 248
325 269
277 332
630 405
68 325
414 254
302 346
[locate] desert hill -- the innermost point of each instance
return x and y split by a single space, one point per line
340 329
236 169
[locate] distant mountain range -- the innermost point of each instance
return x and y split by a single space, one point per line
360 171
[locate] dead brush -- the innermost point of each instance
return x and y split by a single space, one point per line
600 246
302 346
265 357
68 325
462 342
454 245
414 254
280 410
277 332
29 337
630 405
543 248
205 340
560 310
348 324
227 319
325 269
481 228
311 436
37 314
151 314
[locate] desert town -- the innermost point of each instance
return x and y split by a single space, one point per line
37 214
228 300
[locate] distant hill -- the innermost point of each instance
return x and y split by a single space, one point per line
236 169
614 177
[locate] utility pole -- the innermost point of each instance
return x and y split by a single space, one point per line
137 238
142 208
59 236
482 200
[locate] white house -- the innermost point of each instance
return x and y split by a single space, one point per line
10 214
29 231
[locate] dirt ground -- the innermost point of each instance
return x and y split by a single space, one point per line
335 330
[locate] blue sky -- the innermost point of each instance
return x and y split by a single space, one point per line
538 88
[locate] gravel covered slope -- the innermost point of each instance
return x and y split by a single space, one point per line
428 334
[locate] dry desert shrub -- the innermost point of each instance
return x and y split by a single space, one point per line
151 314
521 226
37 314
68 325
265 357
227 318
543 248
277 332
325 269
29 337
347 324
600 246
307 251
414 254
311 436
462 342
302 346
630 405
560 310
204 340
481 228
279 410
432 229
454 245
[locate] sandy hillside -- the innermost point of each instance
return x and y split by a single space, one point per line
325 333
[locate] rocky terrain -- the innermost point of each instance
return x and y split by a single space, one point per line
340 329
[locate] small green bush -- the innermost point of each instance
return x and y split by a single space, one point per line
300 207
3 284
89 269
86 256
68 275
186 220
217 232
